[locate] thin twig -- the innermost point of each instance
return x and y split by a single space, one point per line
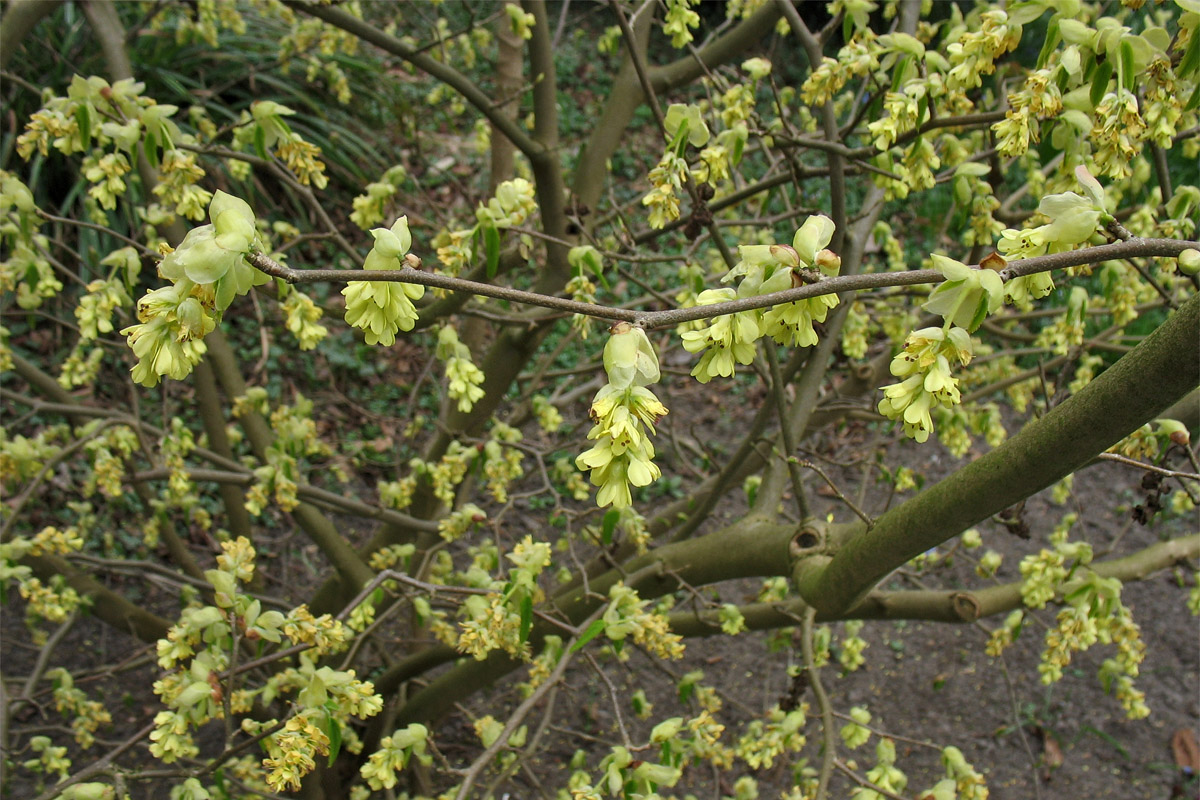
472 773
1167 248
829 740
1133 462
786 433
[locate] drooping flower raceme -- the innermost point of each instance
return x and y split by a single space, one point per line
208 270
623 409
792 323
393 755
924 367
764 269
381 308
514 202
465 380
726 339
1073 220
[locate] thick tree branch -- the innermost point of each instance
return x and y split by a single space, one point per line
958 606
1164 367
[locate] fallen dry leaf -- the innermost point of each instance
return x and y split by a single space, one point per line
1052 754
1186 751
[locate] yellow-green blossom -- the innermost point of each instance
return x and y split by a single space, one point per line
381 308
924 366
623 454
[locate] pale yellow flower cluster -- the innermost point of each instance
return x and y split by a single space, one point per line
624 410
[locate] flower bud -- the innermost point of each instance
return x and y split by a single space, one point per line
829 262
1175 430
943 790
1091 186
1073 218
756 255
413 734
785 256
757 68
18 194
394 242
629 358
223 202
679 114
88 791
657 773
1189 261
814 235
234 231
193 694
666 730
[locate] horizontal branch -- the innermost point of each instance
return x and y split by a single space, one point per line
960 606
410 275
303 490
233 472
1137 247
938 605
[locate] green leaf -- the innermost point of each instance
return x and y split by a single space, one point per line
1128 71
491 246
592 632
1061 79
84 119
738 144
150 148
335 736
1193 101
1053 37
1025 13
526 617
598 270
1079 592
680 142
899 72
260 141
1107 737
609 525
219 784
1100 82
1191 58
